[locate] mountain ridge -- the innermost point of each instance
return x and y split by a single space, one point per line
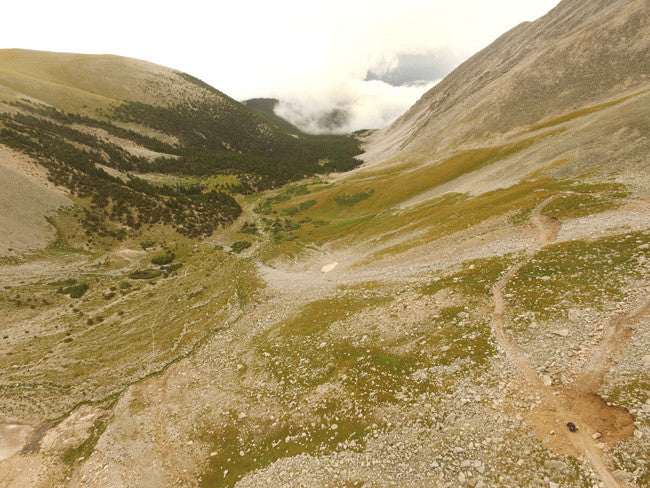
479 105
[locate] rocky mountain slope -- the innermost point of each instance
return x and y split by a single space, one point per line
433 319
579 55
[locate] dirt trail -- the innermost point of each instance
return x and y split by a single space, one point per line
616 336
564 404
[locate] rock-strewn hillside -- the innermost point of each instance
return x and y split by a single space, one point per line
580 54
438 319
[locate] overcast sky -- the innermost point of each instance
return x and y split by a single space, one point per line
316 55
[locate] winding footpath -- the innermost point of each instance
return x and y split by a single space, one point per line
559 402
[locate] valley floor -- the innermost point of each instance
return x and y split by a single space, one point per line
375 375
430 322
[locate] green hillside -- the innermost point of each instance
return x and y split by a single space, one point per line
101 125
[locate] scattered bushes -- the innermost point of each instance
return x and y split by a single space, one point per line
248 228
72 160
171 268
214 138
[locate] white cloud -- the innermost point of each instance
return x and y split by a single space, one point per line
369 104
315 52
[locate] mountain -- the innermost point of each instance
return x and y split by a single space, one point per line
266 108
297 118
579 55
469 308
103 126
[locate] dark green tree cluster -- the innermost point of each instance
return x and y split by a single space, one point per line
72 118
72 161
215 135
218 139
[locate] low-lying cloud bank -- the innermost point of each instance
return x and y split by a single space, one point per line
332 61
358 104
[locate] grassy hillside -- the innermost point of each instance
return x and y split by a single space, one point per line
434 319
101 124
279 372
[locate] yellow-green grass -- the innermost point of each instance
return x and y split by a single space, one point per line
548 167
392 185
303 354
366 204
72 455
577 274
584 199
108 339
581 112
73 82
320 314
474 280
579 205
292 357
240 447
454 212
398 184
441 216
448 214
307 351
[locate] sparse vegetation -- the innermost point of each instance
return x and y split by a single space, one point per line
346 200
393 325
579 205
248 228
580 273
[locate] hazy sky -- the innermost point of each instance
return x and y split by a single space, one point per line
314 54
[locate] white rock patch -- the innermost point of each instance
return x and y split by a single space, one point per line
329 267
12 439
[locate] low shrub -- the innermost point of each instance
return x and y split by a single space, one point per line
239 246
145 274
164 257
75 291
307 205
